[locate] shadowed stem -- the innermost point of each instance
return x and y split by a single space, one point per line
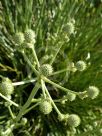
53 59
36 58
11 113
29 63
28 102
32 107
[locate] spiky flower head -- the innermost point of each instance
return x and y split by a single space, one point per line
46 69
29 36
45 107
71 96
80 65
19 38
92 92
69 28
73 120
6 87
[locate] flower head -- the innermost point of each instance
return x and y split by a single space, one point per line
45 107
73 120
46 69
29 36
19 38
80 65
6 87
92 92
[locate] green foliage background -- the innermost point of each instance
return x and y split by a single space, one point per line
17 15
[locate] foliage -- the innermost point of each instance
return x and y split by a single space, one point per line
65 32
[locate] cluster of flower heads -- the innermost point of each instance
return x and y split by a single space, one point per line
73 120
27 39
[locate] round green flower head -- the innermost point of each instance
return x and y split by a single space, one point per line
71 96
29 36
69 28
80 65
6 87
92 92
46 69
73 120
19 38
45 107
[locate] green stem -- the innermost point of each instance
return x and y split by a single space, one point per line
35 100
53 59
28 102
32 107
10 101
43 88
58 86
29 63
24 82
9 130
60 71
11 113
36 58
55 107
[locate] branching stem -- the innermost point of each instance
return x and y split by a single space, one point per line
28 102
58 86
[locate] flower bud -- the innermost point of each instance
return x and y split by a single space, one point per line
24 121
6 87
80 65
46 69
92 92
73 120
63 117
45 107
71 96
19 38
29 36
82 95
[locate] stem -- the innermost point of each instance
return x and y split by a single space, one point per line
36 58
11 113
53 59
35 100
60 71
10 101
57 85
9 130
55 107
24 82
28 102
32 107
43 88
29 63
